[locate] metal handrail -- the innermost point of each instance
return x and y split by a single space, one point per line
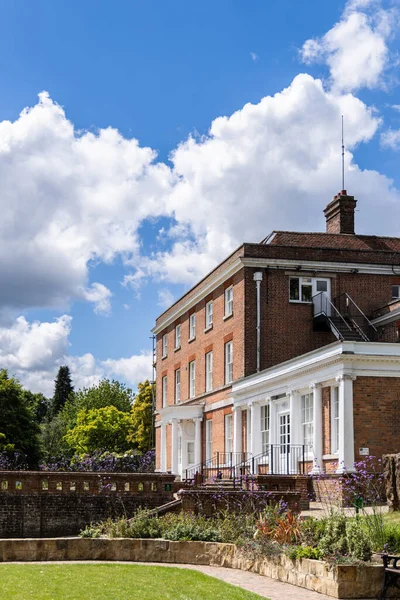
358 308
325 296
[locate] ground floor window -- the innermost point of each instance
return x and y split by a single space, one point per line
265 420
307 413
209 439
190 453
335 420
228 433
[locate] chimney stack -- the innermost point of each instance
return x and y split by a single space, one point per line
339 214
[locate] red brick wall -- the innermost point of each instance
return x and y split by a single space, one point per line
376 402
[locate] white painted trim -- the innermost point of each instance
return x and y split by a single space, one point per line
311 265
387 318
179 411
204 291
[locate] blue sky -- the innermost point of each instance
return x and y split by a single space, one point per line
124 184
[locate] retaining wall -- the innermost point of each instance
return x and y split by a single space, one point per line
45 504
342 581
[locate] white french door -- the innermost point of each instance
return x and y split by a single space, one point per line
284 442
321 284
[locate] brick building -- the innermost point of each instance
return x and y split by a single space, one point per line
285 355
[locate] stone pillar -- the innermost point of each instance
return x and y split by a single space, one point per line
346 426
197 440
174 446
237 429
163 444
317 429
255 418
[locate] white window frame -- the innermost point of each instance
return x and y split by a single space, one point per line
307 418
334 420
192 379
265 427
164 384
229 301
177 337
190 452
209 314
395 295
209 371
228 424
228 362
311 282
209 440
164 345
177 386
192 327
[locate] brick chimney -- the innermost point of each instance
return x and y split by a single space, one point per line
339 214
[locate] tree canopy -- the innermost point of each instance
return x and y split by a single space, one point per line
63 388
142 417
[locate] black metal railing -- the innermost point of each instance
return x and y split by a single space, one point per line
353 314
277 459
220 466
322 306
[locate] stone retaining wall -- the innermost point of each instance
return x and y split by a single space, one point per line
340 582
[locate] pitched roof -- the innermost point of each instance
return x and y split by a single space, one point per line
333 240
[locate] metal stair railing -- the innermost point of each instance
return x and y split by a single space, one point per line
351 311
277 459
322 305
220 466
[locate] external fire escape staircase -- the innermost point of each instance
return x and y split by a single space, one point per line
343 317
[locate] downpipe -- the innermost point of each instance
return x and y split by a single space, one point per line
258 279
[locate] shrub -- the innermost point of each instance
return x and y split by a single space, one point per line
359 544
312 530
334 540
304 552
188 527
391 536
285 529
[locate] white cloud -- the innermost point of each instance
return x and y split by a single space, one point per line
355 49
254 56
165 298
396 107
100 295
68 198
33 352
391 139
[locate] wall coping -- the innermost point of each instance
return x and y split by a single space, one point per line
341 581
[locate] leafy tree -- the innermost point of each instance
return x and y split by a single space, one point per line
16 420
100 428
62 390
52 438
142 417
38 404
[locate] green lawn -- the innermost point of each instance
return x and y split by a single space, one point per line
112 582
392 518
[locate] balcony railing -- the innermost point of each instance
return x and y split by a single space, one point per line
221 466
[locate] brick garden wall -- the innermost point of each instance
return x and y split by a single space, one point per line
40 504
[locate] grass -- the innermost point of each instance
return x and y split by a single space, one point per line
392 518
112 582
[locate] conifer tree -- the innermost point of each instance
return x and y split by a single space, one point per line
62 389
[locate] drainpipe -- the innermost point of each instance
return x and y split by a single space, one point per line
258 278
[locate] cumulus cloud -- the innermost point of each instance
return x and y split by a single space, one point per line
33 352
68 198
165 298
100 295
391 139
356 48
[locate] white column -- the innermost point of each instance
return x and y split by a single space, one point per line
197 440
237 429
255 417
295 418
273 426
317 430
174 446
163 455
346 425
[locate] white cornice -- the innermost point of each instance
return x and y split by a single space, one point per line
204 291
312 265
178 411
387 318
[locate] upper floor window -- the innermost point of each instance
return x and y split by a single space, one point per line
192 379
164 345
307 418
265 427
177 386
302 289
395 292
209 371
229 362
229 301
164 391
209 314
177 337
192 326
